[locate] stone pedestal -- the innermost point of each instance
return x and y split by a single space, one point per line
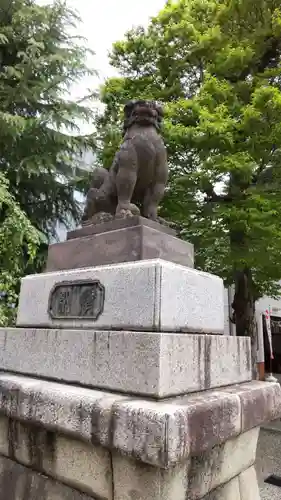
121 240
118 383
152 295
105 445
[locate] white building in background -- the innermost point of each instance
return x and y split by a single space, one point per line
86 162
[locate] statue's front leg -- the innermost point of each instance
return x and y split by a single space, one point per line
152 199
155 192
126 178
90 207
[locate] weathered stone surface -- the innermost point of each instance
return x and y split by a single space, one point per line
248 485
83 413
259 403
119 223
136 481
83 466
162 433
222 463
152 295
92 470
159 433
120 245
220 417
124 245
242 487
80 465
205 361
136 180
228 491
4 435
177 427
153 364
20 483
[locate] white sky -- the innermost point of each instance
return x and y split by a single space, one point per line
104 22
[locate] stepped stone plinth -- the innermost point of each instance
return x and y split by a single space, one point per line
118 382
116 241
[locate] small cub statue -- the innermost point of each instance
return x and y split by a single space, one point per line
136 181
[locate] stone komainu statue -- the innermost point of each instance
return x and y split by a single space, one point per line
139 172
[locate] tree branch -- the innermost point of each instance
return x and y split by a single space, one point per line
213 197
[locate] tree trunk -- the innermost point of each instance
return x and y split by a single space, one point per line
244 311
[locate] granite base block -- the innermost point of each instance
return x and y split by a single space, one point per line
161 434
248 484
103 474
93 246
21 483
158 365
151 295
134 481
77 464
242 487
222 463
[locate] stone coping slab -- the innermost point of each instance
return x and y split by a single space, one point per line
119 223
149 295
158 433
121 245
157 365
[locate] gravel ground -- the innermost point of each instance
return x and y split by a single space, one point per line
269 461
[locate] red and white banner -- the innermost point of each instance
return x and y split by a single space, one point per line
268 331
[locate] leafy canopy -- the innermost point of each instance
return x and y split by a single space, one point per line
216 66
17 236
40 59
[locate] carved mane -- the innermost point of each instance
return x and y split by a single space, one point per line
143 113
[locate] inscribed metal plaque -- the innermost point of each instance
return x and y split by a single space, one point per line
76 300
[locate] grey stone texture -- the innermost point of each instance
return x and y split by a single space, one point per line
222 463
267 405
144 483
80 465
92 470
249 488
119 223
141 239
152 364
152 295
242 487
228 491
136 481
162 434
108 475
21 483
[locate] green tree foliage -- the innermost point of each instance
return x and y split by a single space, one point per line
40 60
216 65
18 238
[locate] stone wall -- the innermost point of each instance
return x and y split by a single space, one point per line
99 380
38 463
60 442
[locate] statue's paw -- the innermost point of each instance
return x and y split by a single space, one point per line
127 210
